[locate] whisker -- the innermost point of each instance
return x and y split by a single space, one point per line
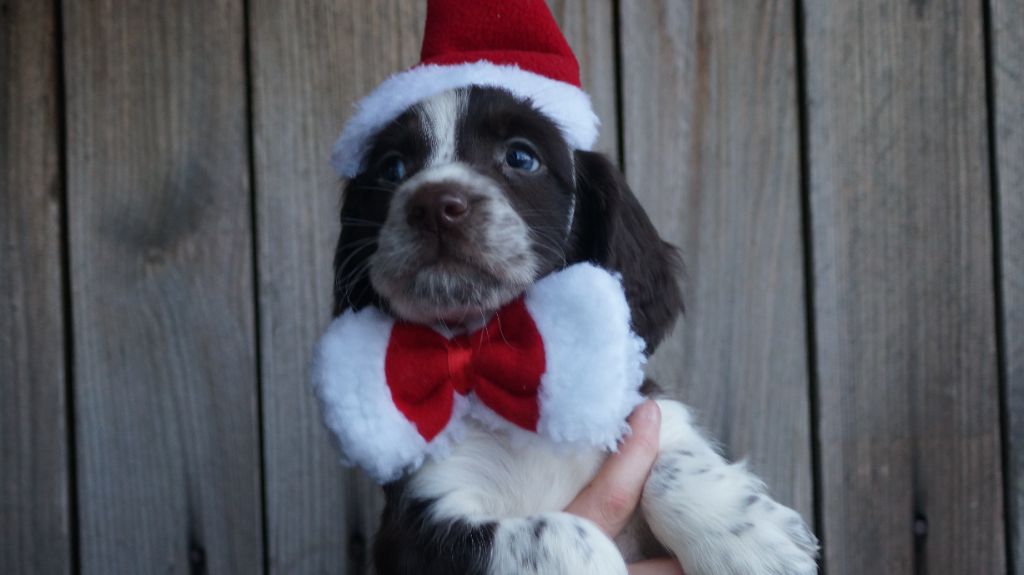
361 294
545 243
501 331
353 276
357 225
377 189
353 254
348 220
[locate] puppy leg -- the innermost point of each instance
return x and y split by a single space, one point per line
555 542
441 537
412 541
715 516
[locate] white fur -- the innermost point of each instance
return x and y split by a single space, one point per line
440 115
565 544
348 377
592 374
567 105
586 397
497 475
493 474
712 515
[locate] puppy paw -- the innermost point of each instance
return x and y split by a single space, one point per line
715 516
550 543
750 535
767 538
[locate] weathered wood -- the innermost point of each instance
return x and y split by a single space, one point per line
311 61
1007 67
34 511
711 149
166 398
589 26
903 287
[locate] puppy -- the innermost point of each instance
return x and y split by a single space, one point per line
466 200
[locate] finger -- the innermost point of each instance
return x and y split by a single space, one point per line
655 567
613 494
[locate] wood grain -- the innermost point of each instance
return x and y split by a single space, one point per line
1007 67
162 283
903 283
34 509
311 62
711 149
589 26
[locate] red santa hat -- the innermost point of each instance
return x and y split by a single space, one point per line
510 44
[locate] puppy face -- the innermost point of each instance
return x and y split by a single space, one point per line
472 195
481 200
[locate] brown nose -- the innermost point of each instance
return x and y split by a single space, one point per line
437 207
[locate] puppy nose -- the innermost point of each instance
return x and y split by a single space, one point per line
437 207
451 207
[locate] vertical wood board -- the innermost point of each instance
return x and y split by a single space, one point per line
711 149
903 284
161 277
589 26
1007 68
311 62
34 506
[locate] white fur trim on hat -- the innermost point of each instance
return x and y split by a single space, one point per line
586 396
567 105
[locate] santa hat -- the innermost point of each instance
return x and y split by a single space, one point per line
511 44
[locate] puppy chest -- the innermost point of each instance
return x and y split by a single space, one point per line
493 474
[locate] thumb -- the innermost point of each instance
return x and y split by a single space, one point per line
613 494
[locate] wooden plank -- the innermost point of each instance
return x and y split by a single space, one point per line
34 510
161 269
1007 22
710 124
903 283
310 63
589 26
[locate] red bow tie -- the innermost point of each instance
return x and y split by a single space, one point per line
502 364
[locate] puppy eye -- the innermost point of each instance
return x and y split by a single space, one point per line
392 169
520 157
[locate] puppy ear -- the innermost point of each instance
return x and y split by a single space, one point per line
613 231
363 211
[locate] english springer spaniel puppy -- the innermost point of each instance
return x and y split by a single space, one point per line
465 201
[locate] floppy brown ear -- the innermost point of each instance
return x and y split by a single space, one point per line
613 231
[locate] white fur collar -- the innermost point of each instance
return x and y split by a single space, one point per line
593 372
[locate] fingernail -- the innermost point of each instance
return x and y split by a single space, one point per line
649 411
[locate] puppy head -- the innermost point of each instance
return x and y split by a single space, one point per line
470 196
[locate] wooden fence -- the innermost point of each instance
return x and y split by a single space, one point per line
845 178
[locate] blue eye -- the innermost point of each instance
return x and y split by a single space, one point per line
393 169
519 157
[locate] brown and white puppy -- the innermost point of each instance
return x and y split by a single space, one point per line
463 202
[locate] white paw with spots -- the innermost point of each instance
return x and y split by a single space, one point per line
714 516
551 543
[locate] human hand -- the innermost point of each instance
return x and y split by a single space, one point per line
612 496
